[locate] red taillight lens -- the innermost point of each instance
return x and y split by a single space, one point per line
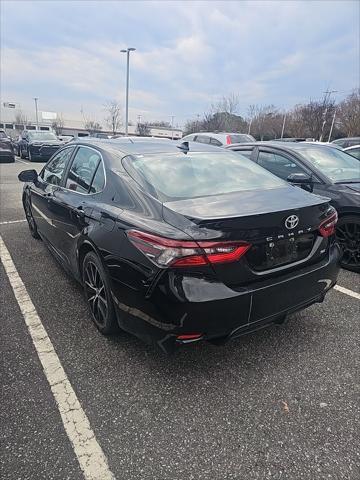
327 227
190 336
183 253
228 140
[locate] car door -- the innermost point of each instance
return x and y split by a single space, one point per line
43 190
73 202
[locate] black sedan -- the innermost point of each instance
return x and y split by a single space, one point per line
177 244
6 148
38 145
325 171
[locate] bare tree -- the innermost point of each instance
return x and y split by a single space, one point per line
113 119
20 118
349 114
143 129
58 125
92 127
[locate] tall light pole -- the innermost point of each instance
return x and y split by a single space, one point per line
127 51
283 126
36 112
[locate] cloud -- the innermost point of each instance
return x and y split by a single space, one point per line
188 54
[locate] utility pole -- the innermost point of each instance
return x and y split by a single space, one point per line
327 94
36 112
172 127
332 126
127 51
249 130
283 126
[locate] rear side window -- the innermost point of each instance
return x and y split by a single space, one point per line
197 174
54 170
213 141
202 139
279 165
98 182
82 170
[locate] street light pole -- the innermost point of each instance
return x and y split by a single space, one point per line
283 126
127 51
36 112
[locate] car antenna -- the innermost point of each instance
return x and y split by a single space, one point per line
184 147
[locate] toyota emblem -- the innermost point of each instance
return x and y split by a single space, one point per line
291 222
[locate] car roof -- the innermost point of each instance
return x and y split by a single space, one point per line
143 147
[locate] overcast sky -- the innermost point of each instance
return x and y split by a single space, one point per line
188 54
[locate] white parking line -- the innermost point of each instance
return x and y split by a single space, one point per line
12 221
91 458
22 161
347 291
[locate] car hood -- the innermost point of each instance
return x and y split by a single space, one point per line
54 143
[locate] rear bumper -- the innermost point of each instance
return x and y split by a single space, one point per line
7 155
181 304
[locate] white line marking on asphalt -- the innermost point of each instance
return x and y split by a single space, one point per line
22 161
12 221
91 458
347 291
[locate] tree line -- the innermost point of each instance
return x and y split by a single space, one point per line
315 119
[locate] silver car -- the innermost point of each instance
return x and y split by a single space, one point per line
218 139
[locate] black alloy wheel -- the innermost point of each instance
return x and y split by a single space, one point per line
98 294
348 236
30 218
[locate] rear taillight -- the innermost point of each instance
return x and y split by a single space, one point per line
228 140
166 252
327 227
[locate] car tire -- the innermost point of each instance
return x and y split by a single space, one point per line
30 218
30 156
21 153
348 236
97 291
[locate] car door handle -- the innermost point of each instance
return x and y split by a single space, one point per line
79 212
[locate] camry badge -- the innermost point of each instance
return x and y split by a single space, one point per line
291 222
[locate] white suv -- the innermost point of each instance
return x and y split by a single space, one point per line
218 139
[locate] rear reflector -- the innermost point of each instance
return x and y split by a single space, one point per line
189 336
327 227
184 253
228 140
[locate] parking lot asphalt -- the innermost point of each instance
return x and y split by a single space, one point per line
282 403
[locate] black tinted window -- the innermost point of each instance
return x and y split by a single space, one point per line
54 171
213 141
82 170
278 164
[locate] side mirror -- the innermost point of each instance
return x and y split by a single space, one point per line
303 180
28 176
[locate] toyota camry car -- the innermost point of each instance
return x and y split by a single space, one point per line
325 171
178 243
38 145
6 148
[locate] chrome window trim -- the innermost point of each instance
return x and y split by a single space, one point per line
104 170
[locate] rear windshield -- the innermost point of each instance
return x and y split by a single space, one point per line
179 176
334 163
42 136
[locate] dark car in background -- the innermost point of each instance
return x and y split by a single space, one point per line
178 243
324 170
218 139
6 148
38 145
347 142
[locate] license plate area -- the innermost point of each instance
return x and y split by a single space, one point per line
275 253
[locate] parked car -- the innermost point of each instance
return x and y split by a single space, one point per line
178 243
328 144
289 139
326 171
218 139
38 145
6 148
354 151
347 142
